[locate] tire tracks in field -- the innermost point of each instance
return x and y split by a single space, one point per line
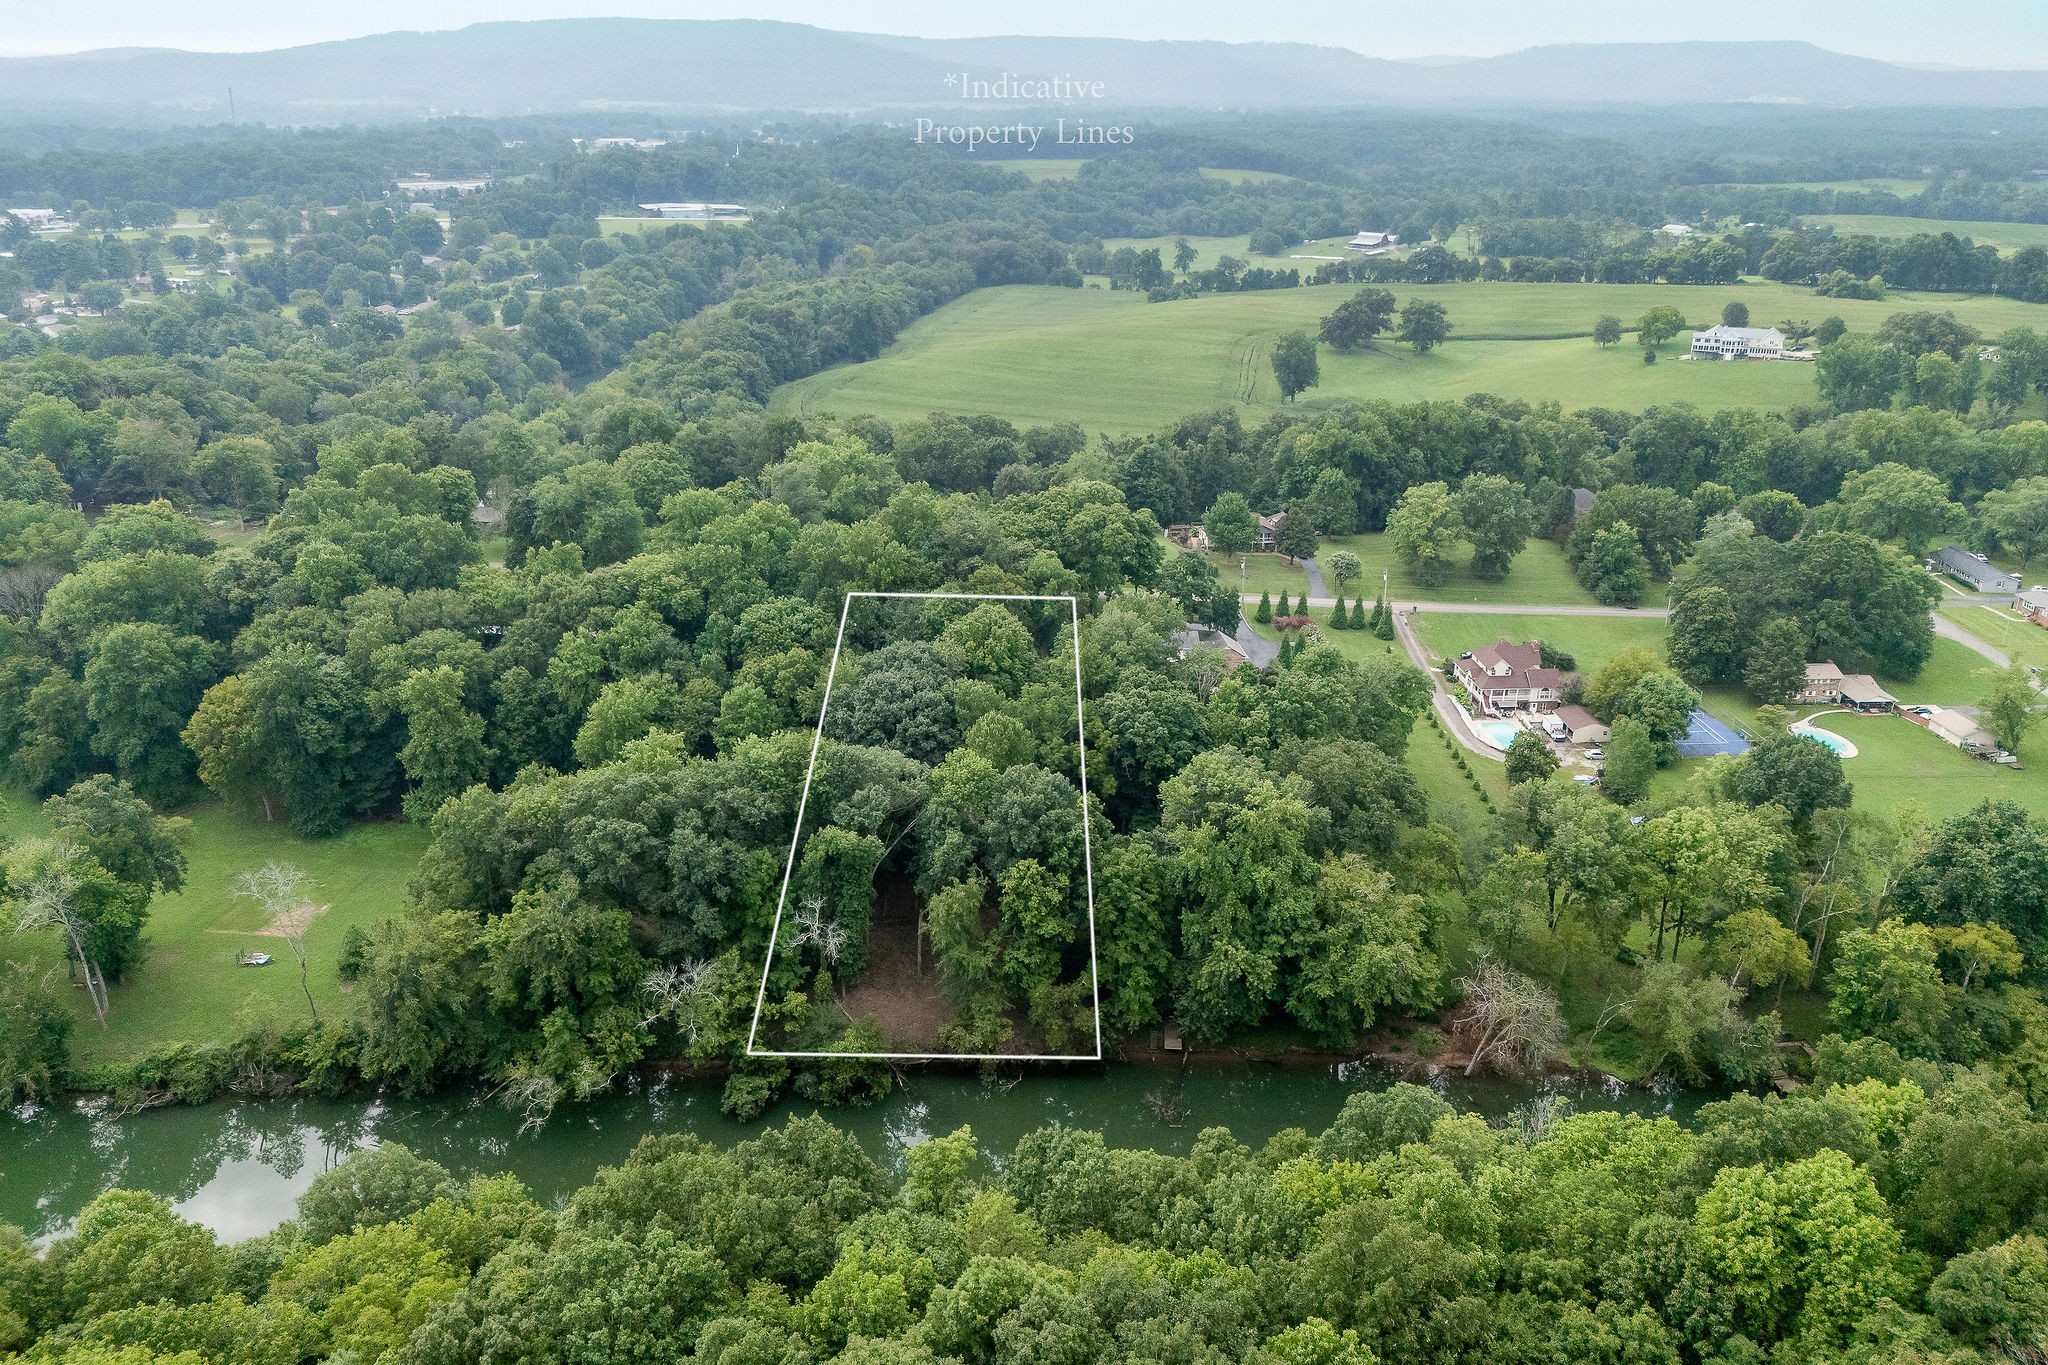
1248 371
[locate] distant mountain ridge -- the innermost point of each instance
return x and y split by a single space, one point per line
552 66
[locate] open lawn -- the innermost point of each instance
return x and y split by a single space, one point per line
1898 763
1590 640
1953 676
1115 363
1302 256
1998 627
618 225
2004 236
1539 576
190 987
1261 573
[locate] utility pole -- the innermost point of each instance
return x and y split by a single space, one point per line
231 104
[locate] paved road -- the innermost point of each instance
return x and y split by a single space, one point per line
1949 630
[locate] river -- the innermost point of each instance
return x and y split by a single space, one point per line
237 1167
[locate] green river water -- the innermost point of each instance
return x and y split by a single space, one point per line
237 1167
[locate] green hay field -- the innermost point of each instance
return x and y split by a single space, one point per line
1115 363
2004 236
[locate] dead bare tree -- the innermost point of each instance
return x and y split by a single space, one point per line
280 890
813 928
1519 1026
49 900
678 993
24 587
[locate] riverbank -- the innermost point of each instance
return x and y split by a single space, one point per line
237 1166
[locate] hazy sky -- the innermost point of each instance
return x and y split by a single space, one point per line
1977 33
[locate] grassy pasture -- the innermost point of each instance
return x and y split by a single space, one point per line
2004 236
1539 576
1116 363
1590 640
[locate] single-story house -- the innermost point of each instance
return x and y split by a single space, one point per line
1823 683
1581 726
1504 676
1269 532
1676 230
35 218
1973 571
1961 729
1739 343
1582 502
1373 243
2032 603
1860 691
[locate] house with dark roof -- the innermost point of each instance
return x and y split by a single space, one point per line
1973 571
1504 676
1269 532
2032 603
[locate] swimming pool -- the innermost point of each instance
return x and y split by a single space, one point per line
1828 738
1498 733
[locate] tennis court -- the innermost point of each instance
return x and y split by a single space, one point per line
1705 735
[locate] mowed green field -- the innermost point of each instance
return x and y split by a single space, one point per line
1302 256
1590 640
1260 573
1115 363
619 225
1898 764
1539 577
2021 639
190 986
2004 236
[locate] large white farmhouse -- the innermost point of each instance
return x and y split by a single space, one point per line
1739 343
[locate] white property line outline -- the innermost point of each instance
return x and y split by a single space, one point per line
1087 849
